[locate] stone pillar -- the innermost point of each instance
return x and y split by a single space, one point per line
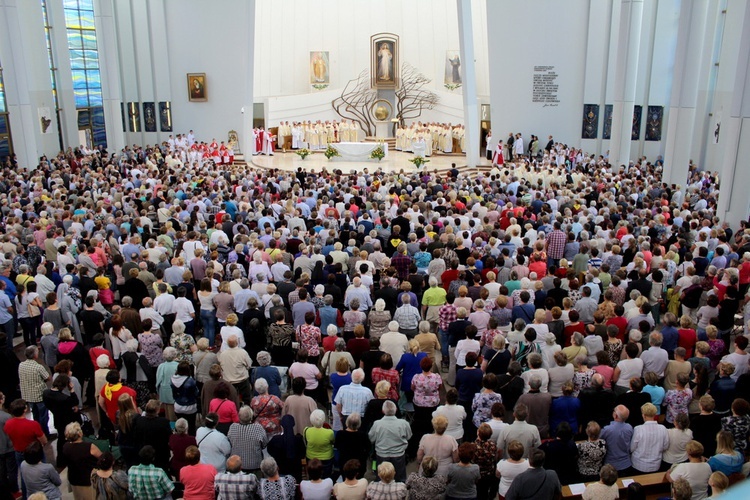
691 65
247 143
626 76
28 88
469 78
109 68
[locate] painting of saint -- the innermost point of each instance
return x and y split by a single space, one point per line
149 116
385 62
165 116
196 86
319 68
452 68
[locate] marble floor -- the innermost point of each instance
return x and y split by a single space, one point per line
394 162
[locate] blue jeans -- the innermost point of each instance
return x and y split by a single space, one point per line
41 415
443 343
208 318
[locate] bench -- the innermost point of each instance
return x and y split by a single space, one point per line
654 485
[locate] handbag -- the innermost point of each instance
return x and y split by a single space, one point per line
34 311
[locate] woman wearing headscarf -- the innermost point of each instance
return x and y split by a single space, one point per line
69 300
285 448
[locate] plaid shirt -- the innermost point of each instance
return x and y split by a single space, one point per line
386 491
148 482
33 378
235 486
556 244
447 315
248 441
401 262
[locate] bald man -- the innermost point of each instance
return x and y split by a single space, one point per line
234 483
618 435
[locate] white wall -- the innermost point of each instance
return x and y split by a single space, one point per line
583 50
288 30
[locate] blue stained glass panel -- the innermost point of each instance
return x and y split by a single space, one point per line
87 20
93 79
77 59
2 99
72 19
4 147
89 40
92 59
70 4
3 124
95 97
86 4
79 79
97 116
82 98
75 41
84 118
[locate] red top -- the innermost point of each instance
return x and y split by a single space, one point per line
198 481
95 352
226 410
622 325
22 432
687 339
110 405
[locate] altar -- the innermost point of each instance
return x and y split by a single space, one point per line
357 151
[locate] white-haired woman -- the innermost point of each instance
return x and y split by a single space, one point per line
248 439
183 343
203 360
268 372
266 408
386 488
319 441
164 379
135 372
273 486
331 358
378 319
178 443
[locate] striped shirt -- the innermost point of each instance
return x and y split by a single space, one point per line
353 398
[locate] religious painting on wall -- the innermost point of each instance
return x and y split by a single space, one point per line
452 78
134 117
590 126
165 116
45 119
149 116
319 74
384 56
653 123
607 131
636 133
196 86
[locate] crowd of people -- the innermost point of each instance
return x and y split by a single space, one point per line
229 332
316 135
431 137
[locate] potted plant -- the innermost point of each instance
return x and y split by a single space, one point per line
378 153
330 152
418 161
303 153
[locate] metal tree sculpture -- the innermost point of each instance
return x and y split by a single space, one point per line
356 100
411 96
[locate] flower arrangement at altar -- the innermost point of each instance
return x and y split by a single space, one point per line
452 86
418 161
378 153
330 152
303 153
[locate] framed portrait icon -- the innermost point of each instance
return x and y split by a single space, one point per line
385 60
196 87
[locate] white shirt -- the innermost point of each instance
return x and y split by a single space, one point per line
629 368
740 364
183 309
464 347
395 344
543 374
508 472
456 414
697 474
226 332
164 303
650 440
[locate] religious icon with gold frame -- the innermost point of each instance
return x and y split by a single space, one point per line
196 87
385 60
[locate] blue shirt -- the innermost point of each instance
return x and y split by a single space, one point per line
468 383
564 409
671 337
409 364
657 396
618 436
5 315
10 288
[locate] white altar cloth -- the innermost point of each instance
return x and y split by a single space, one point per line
357 151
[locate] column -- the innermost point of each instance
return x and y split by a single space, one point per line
28 87
247 143
109 67
733 205
691 65
469 78
626 77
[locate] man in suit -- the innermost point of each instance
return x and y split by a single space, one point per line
597 402
510 142
536 482
550 145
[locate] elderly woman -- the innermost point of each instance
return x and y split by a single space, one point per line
230 328
182 342
307 370
426 484
591 453
164 379
265 371
576 349
330 358
386 488
409 366
374 407
151 343
428 341
185 392
439 445
134 372
248 440
606 487
482 403
426 389
497 359
203 360
266 408
352 318
118 337
407 316
696 471
387 372
54 313
378 319
273 486
69 300
319 442
71 349
178 443
81 459
351 444
282 334
223 407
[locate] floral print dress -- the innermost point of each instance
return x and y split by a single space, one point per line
677 402
482 406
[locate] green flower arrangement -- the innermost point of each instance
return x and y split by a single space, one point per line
418 161
303 153
452 86
330 152
377 153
